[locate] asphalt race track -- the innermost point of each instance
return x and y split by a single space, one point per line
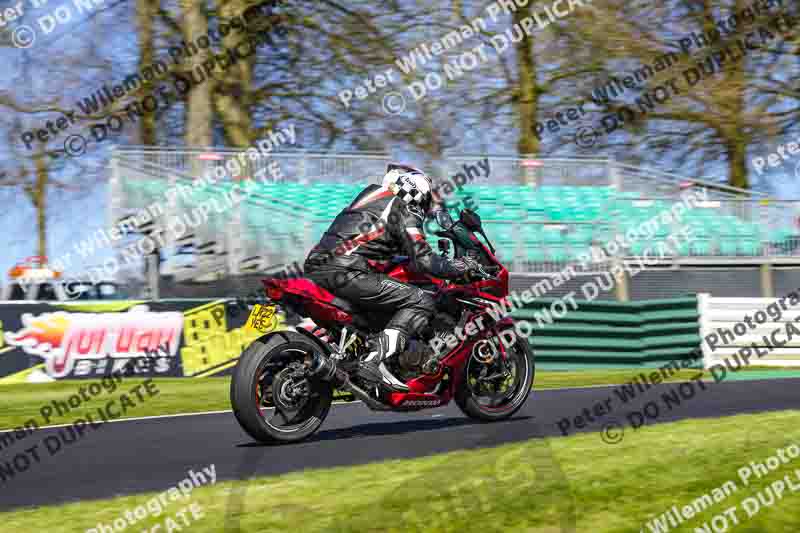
151 455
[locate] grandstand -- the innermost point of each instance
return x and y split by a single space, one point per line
540 214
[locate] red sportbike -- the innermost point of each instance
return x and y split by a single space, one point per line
283 384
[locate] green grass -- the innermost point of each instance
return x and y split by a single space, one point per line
22 402
586 378
536 486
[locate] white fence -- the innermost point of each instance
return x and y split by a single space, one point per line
749 331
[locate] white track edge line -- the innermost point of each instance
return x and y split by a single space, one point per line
134 419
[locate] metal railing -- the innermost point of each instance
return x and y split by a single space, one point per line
581 172
296 166
508 170
651 182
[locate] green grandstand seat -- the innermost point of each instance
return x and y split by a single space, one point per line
535 253
509 212
701 232
728 246
683 248
486 212
532 233
558 253
504 251
552 235
700 247
535 212
639 247
557 214
780 235
749 246
579 236
747 230
609 212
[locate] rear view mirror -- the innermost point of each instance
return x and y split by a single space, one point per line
443 219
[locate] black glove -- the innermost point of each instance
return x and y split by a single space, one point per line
466 265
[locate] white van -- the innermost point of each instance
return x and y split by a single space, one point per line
54 290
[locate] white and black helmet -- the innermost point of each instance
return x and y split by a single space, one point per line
409 184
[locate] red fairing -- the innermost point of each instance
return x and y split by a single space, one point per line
300 286
501 283
325 313
413 400
502 275
504 280
315 299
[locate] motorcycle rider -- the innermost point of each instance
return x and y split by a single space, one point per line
381 222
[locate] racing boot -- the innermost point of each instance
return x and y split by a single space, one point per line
373 366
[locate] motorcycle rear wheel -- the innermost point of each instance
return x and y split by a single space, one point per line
270 399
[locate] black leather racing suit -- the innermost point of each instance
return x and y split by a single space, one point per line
376 226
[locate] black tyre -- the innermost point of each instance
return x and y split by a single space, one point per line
489 400
271 399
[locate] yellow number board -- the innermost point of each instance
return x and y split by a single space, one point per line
262 318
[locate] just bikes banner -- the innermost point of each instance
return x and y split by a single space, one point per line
167 338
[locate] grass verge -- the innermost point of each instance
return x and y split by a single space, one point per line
535 486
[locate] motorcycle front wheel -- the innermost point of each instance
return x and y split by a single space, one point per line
497 390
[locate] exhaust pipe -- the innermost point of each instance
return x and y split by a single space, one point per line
368 400
324 368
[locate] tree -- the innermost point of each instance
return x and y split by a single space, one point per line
708 124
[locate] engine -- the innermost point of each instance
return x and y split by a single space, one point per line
416 353
410 362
